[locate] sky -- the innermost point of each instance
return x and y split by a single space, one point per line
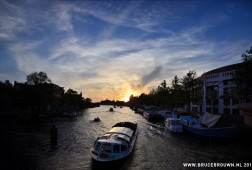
112 49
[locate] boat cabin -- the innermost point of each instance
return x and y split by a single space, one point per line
173 121
174 124
116 141
106 148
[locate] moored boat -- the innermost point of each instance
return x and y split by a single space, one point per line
165 113
151 113
116 144
204 126
173 124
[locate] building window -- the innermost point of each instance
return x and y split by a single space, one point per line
215 110
235 111
235 101
226 102
226 111
208 110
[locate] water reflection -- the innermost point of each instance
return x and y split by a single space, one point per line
156 148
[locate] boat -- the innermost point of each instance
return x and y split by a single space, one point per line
165 113
97 119
204 126
116 144
139 110
173 124
151 113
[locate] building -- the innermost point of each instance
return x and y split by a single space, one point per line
6 98
220 93
41 99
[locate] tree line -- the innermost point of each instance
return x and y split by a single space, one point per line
189 89
182 91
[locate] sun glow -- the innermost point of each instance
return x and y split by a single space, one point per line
127 95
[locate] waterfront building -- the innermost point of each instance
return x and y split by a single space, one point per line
6 98
29 101
220 92
45 99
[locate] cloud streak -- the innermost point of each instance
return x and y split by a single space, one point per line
151 76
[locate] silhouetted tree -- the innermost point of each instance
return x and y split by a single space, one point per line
162 94
88 100
176 85
188 83
177 93
38 78
247 57
71 91
243 77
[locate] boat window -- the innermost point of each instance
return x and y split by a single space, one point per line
124 148
98 146
106 147
116 148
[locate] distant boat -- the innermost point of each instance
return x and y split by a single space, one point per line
111 109
116 144
97 119
204 126
173 124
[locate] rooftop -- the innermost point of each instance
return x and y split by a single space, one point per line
224 69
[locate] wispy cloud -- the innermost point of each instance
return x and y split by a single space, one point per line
11 20
150 76
58 38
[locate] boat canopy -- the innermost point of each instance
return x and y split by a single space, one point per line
122 130
209 119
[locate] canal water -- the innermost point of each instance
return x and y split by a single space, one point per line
156 147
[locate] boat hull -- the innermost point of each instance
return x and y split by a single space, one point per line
225 132
177 129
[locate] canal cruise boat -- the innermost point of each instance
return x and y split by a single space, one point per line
116 144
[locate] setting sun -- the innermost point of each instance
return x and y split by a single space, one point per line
127 95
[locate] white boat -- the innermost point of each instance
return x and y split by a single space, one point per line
116 144
173 124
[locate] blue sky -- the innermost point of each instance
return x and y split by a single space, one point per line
111 49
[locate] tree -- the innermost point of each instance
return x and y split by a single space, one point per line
38 78
88 100
176 85
247 57
162 94
177 93
71 91
243 77
188 83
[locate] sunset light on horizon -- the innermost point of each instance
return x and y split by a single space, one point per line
113 49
